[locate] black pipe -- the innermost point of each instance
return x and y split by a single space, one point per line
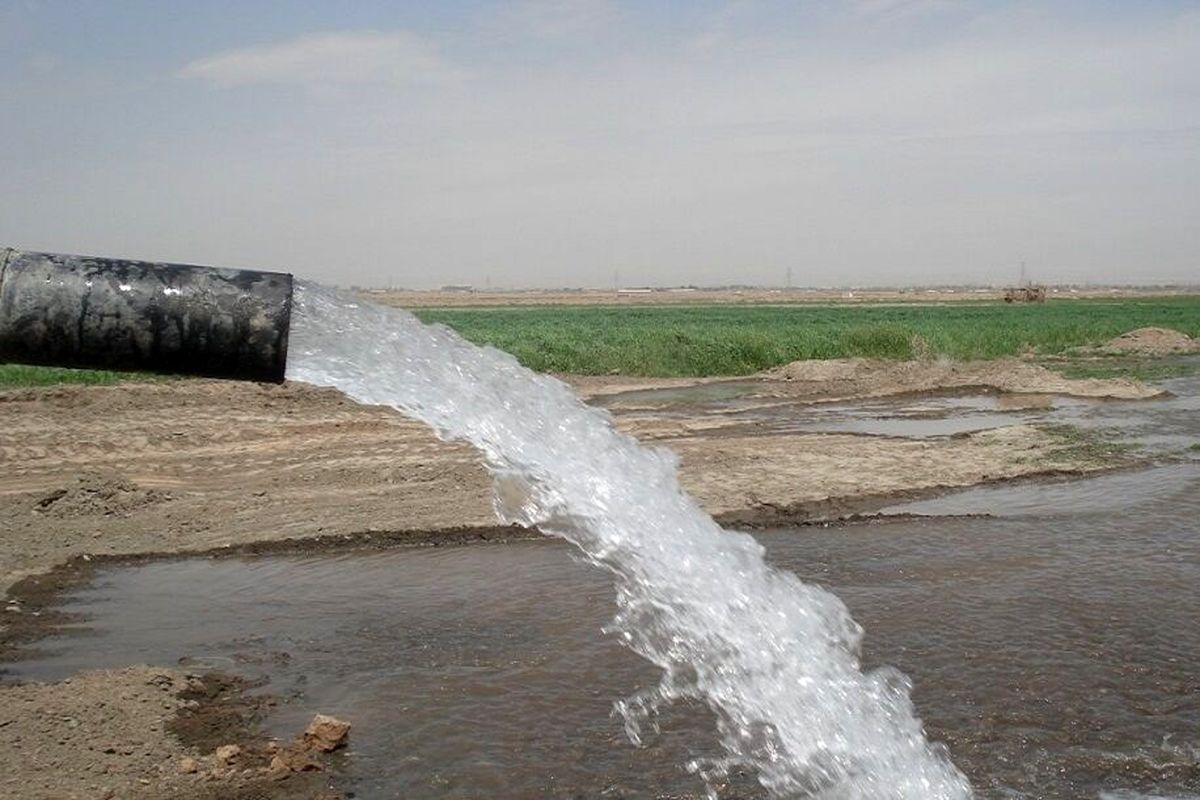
100 313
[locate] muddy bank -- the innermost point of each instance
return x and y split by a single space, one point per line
1152 342
479 672
146 732
197 465
94 475
33 604
855 378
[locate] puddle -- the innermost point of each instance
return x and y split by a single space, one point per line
919 418
1162 426
1054 650
1101 495
1167 425
701 394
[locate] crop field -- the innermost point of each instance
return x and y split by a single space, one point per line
688 341
704 340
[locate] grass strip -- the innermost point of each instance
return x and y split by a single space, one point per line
694 341
16 376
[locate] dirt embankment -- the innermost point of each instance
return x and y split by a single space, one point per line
144 732
1153 342
200 465
117 471
859 377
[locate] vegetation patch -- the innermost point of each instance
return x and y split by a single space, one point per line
15 376
693 341
1077 445
716 340
1146 368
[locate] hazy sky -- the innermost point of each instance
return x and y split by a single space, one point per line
555 142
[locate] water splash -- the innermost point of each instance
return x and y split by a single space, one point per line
775 659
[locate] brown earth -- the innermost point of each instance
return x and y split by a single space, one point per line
91 473
859 377
1153 342
144 732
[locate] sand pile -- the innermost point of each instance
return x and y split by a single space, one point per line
1153 341
822 370
857 377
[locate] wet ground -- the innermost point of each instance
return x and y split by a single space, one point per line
1050 630
1054 647
1161 425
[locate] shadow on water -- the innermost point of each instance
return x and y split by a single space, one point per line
1054 649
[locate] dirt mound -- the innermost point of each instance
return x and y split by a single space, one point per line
856 377
834 369
1153 341
105 494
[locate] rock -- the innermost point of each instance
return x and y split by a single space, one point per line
326 733
228 753
290 759
189 766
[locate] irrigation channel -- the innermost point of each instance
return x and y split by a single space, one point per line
1049 629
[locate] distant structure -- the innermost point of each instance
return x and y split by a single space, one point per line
456 287
1025 294
1025 291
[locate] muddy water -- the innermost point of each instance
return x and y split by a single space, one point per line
1054 647
1167 425
905 416
776 660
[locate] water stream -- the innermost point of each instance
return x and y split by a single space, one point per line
775 660
1053 647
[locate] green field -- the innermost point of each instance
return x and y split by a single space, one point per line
18 375
738 340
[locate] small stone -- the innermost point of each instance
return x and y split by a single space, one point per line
326 733
291 759
189 765
278 770
228 753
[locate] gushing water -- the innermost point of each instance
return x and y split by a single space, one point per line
775 659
